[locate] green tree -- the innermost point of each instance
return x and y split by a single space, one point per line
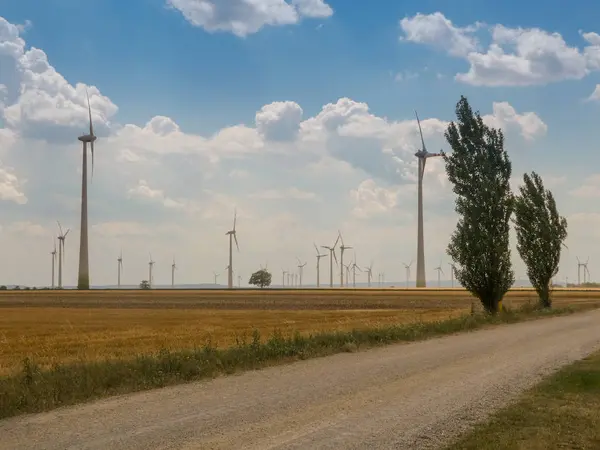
144 284
480 170
260 278
541 233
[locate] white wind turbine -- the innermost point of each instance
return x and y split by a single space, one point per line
300 270
369 271
407 267
283 273
319 256
53 253
239 281
232 235
422 155
83 278
343 248
119 268
332 253
452 271
216 276
61 252
439 271
354 266
347 268
150 266
173 267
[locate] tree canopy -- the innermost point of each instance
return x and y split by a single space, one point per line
260 278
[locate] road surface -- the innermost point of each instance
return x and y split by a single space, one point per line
414 396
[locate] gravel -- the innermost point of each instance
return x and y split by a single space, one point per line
415 396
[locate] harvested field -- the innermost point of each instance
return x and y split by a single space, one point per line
68 325
57 335
294 299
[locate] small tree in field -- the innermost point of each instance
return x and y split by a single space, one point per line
144 284
261 278
480 170
541 233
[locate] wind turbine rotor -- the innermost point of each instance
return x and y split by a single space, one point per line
424 149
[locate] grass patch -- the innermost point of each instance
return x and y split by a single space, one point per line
562 412
36 389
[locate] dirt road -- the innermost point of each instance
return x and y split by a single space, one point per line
413 396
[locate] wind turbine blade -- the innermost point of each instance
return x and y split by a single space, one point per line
61 233
335 257
420 132
67 232
236 242
234 218
91 128
316 249
92 150
337 240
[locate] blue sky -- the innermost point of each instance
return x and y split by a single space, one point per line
349 168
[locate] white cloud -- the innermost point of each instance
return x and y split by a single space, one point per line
515 56
10 186
589 189
244 17
279 121
505 116
143 191
371 200
27 228
595 96
281 194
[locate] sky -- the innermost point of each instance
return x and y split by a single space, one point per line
299 114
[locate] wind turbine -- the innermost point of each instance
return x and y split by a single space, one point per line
347 267
119 268
422 155
216 276
319 256
452 270
332 253
439 271
369 271
354 266
342 249
239 280
232 235
173 267
53 253
585 270
579 266
150 265
300 270
61 252
407 267
83 278
283 272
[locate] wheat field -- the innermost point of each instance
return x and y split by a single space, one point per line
54 327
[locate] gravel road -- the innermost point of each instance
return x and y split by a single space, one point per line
412 396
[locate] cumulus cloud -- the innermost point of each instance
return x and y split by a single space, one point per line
244 17
595 96
515 56
371 200
279 121
10 186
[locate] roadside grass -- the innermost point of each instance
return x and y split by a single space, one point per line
35 389
562 412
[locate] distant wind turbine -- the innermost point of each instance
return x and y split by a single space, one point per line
331 253
369 271
283 273
319 256
239 280
300 270
407 267
173 267
422 155
452 271
439 271
216 276
343 248
119 268
53 253
150 266
61 252
354 266
232 236
83 278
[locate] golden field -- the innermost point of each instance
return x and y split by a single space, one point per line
63 326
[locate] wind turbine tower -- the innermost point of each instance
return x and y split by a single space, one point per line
239 281
319 256
354 266
342 249
173 267
53 253
300 270
452 271
369 271
422 156
232 235
150 266
83 278
61 252
332 253
119 268
216 276
439 271
586 271
579 266
407 267
283 272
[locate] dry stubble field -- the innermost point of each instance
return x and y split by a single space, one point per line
64 326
